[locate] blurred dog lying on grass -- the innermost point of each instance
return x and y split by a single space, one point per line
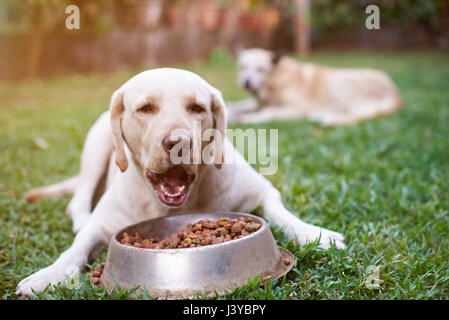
284 88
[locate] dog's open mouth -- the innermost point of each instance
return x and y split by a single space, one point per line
172 186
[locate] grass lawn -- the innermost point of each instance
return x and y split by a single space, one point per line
383 183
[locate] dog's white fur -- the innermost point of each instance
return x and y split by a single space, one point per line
284 88
129 198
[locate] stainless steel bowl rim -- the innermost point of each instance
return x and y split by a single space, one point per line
231 242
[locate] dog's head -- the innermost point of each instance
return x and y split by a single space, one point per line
157 114
255 66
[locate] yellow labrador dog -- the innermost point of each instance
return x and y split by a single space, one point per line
284 88
149 115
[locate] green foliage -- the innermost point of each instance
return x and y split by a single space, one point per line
330 15
383 183
334 15
220 57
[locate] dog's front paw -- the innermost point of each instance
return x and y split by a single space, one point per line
40 280
325 237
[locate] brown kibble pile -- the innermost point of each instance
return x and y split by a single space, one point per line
199 234
96 274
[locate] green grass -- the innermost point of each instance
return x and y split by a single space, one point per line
384 183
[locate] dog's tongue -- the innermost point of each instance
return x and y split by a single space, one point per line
175 175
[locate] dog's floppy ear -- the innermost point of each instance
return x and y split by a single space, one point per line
116 108
276 56
220 122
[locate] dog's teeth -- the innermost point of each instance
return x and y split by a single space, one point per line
172 195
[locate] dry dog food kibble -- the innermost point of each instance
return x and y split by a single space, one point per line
199 234
98 270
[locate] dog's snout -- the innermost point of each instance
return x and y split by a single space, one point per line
172 140
247 84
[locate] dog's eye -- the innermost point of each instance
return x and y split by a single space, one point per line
195 108
148 108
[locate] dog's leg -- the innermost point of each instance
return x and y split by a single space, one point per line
97 231
71 260
239 108
94 162
54 190
269 114
304 232
364 110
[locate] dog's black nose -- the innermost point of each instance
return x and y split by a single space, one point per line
171 140
247 84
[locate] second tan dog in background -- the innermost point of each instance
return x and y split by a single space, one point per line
284 88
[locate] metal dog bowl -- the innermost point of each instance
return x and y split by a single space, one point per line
168 273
